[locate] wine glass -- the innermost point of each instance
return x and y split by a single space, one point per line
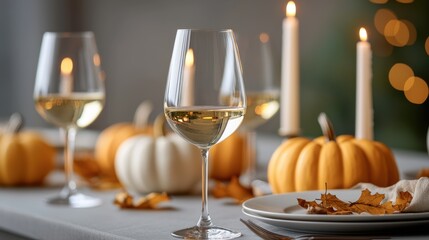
204 103
69 93
263 95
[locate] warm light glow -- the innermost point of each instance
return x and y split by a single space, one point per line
416 90
427 45
396 33
66 66
399 74
264 38
189 59
405 1
381 18
96 59
412 32
290 9
362 34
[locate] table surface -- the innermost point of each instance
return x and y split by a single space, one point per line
24 213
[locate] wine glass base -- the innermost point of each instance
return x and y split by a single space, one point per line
206 233
76 200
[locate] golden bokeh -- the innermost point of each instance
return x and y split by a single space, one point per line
416 90
427 45
396 33
405 1
382 17
399 74
379 1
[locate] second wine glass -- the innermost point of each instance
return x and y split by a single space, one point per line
69 93
204 103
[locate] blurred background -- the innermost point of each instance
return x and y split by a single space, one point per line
135 39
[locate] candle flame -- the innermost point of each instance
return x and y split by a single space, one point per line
264 37
189 59
290 9
66 66
362 34
96 59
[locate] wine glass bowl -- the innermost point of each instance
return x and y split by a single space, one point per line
69 93
204 103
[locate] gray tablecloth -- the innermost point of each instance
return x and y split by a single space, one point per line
24 212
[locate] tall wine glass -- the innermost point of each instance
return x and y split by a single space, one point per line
204 103
69 93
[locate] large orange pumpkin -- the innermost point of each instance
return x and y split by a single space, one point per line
111 138
301 164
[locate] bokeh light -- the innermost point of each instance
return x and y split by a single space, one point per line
412 32
416 90
382 17
396 33
399 74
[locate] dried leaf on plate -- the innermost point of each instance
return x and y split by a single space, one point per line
367 203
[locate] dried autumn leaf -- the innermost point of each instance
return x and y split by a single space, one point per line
367 203
232 189
150 201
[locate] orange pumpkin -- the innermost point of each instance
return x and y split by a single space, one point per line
228 158
25 157
301 164
111 138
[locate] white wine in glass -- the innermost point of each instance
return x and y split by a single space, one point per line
204 103
69 93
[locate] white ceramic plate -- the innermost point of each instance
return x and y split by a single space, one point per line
285 206
342 227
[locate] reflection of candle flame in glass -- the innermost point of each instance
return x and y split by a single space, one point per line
189 59
362 34
290 9
264 38
96 59
66 66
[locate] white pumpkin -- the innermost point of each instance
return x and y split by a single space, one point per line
159 163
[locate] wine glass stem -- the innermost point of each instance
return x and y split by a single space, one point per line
205 220
69 146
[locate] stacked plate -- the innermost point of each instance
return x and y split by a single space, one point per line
282 210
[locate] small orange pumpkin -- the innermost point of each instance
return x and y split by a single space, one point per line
228 158
25 157
301 164
111 138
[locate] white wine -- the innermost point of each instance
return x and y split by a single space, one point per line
67 111
261 106
204 126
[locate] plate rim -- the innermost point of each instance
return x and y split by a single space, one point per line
325 218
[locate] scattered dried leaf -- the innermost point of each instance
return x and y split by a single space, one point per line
150 201
367 203
232 189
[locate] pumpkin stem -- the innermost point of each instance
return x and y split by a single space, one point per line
15 123
159 126
141 116
326 126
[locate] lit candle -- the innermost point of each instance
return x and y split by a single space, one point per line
364 120
289 111
188 78
66 80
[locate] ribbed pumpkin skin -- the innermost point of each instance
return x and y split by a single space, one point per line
109 141
301 164
227 158
25 159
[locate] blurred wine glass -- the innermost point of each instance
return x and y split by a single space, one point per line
204 103
69 93
263 95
